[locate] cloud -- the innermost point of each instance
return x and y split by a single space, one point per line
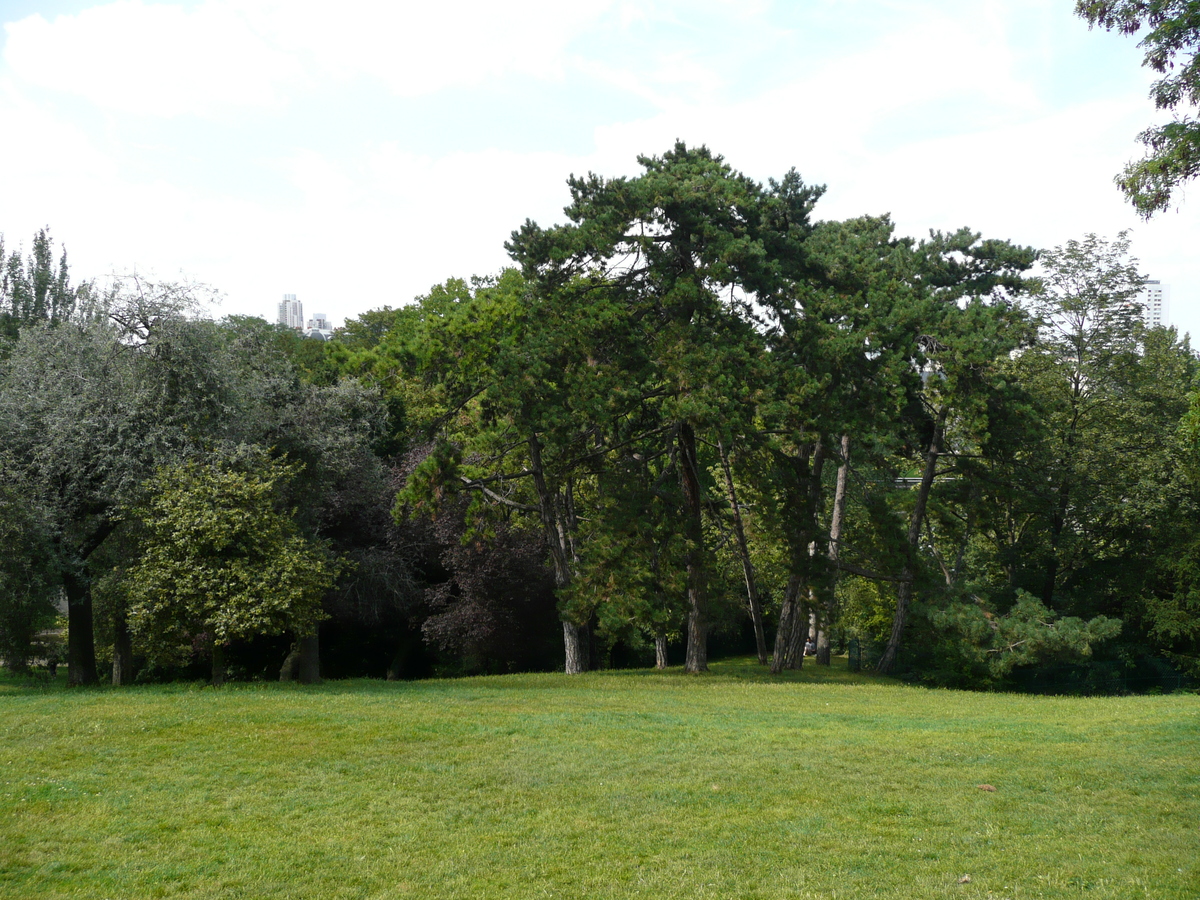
421 48
150 59
940 121
147 58
169 60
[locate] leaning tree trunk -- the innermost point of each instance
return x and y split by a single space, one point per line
752 598
696 660
81 640
905 592
122 662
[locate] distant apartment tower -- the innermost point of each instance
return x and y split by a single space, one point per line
291 312
1154 299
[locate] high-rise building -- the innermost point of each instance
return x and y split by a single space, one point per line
291 312
1154 299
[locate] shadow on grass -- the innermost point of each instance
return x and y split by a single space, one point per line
36 681
731 669
746 668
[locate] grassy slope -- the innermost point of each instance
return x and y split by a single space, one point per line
606 785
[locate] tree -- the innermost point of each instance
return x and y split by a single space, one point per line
509 426
220 560
1171 46
972 326
90 408
29 573
36 291
673 255
1026 635
879 337
1071 492
1083 372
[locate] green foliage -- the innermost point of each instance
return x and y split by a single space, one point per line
632 567
29 571
1027 634
1170 610
1007 439
866 608
220 558
1171 44
1076 488
36 291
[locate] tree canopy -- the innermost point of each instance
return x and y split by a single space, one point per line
1171 44
692 414
219 558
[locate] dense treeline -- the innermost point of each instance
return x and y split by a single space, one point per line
693 410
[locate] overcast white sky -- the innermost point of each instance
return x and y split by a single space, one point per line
356 153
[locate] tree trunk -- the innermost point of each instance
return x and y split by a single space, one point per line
122 662
838 521
81 640
696 660
794 658
824 652
218 664
576 648
836 526
752 598
291 664
660 651
310 659
575 651
793 615
905 591
789 614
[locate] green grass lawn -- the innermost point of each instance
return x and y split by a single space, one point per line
620 784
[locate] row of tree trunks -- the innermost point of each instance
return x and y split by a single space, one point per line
794 614
793 621
303 662
915 523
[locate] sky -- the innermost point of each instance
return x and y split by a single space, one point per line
355 154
